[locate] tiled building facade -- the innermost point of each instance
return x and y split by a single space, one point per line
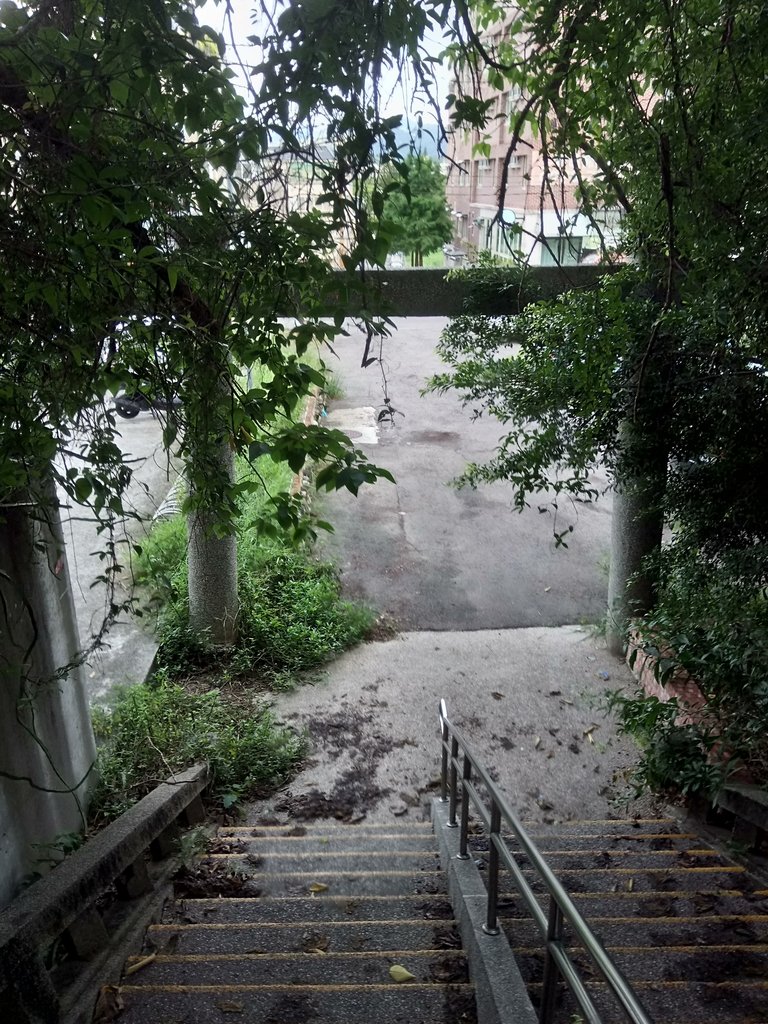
540 222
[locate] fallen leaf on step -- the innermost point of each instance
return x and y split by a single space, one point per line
314 942
318 887
171 944
399 974
108 1005
140 964
230 1007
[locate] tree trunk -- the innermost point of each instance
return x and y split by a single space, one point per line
636 532
46 740
212 568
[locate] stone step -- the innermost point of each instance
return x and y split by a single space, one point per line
678 1002
627 840
311 861
325 907
368 968
303 936
647 906
728 963
615 879
597 827
294 1004
587 860
328 827
348 883
386 843
655 932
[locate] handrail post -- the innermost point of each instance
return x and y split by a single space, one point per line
443 758
466 776
491 926
452 823
551 972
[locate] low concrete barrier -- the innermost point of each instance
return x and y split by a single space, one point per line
64 905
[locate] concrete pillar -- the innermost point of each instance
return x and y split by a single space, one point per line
637 524
46 742
212 562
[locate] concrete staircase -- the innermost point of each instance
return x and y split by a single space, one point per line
321 915
316 917
686 925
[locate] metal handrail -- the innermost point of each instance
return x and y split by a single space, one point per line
457 772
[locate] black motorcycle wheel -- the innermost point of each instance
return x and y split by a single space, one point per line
127 410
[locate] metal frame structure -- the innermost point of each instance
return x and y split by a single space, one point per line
460 772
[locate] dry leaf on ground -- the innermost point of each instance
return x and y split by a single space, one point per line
140 964
400 974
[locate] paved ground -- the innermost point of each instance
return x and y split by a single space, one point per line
129 648
432 556
486 605
528 700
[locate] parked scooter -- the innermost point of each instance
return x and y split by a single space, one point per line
130 405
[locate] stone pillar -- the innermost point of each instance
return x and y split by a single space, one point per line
46 742
212 562
637 524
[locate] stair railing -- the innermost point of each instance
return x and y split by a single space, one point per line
458 771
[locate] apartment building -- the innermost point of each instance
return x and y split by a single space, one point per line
540 220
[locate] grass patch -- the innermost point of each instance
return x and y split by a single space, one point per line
291 614
158 728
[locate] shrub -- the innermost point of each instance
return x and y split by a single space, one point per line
711 620
158 728
291 613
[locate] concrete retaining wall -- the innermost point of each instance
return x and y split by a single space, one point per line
46 742
426 292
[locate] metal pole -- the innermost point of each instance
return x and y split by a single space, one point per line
491 926
443 754
452 823
551 972
466 777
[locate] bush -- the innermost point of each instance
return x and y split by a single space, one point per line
291 614
711 620
159 728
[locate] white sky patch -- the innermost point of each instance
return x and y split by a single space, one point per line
399 93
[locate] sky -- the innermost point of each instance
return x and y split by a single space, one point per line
398 94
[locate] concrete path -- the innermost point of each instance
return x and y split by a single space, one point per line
434 557
526 698
486 606
129 648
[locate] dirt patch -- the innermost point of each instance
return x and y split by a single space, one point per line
207 878
450 970
351 734
446 937
292 1010
460 1007
384 627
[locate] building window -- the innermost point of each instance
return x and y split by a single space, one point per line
485 172
506 242
560 251
512 99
